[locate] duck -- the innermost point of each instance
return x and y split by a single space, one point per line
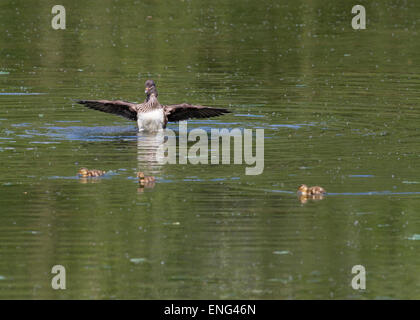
304 190
143 180
151 116
86 173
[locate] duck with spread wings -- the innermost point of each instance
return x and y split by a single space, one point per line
150 115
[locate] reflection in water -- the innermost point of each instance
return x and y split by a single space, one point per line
149 155
147 185
89 180
305 198
149 158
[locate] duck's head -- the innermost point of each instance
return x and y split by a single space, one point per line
83 172
303 189
150 88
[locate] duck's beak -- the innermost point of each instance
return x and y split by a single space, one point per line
146 90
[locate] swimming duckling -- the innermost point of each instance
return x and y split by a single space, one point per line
303 190
312 193
85 173
143 180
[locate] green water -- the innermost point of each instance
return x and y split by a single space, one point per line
339 108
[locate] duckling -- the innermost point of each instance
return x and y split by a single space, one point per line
143 180
303 190
312 193
85 173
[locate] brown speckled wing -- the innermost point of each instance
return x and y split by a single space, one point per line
178 112
121 108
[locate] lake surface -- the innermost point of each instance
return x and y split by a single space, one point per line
339 109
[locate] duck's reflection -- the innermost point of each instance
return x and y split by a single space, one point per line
150 158
142 186
89 180
306 198
149 152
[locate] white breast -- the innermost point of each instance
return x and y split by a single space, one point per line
150 121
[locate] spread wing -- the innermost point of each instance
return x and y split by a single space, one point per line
118 107
178 112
